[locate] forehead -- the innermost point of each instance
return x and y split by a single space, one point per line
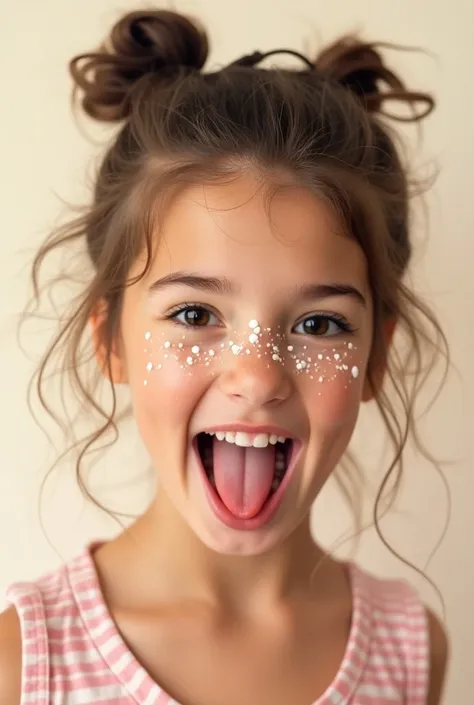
244 230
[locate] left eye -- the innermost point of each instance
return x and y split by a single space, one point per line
322 326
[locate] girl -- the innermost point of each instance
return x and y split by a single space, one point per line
249 237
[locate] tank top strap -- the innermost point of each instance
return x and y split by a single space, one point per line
401 635
27 599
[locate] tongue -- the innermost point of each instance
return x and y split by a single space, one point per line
243 477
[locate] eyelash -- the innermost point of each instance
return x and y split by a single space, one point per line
336 318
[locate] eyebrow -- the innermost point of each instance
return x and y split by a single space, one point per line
225 286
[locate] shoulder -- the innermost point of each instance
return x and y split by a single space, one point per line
439 655
10 658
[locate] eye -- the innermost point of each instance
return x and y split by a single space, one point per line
323 325
193 316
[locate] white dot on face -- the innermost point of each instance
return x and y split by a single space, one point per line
320 357
290 348
149 366
145 382
276 357
350 346
253 324
257 330
180 345
167 344
253 338
355 372
211 353
236 349
189 360
337 356
147 336
195 349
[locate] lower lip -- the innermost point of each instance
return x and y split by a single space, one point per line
269 508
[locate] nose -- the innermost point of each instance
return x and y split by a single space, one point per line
257 382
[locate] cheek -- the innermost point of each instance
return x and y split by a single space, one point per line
165 388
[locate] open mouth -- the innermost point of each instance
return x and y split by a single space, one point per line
246 472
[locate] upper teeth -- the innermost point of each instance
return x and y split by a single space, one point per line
247 440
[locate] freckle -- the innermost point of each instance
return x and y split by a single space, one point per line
195 349
167 344
253 338
253 324
149 366
290 348
189 360
355 372
147 336
337 356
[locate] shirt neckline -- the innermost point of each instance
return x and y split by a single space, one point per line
138 683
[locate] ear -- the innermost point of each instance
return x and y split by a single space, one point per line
111 363
372 386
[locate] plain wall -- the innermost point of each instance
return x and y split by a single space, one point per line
46 160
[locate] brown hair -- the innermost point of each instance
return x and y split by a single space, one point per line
325 126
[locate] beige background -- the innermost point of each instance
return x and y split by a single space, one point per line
45 160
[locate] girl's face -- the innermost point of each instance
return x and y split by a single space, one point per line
246 348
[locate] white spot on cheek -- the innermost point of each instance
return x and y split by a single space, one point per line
236 349
195 349
355 372
180 345
337 356
189 360
253 338
145 382
290 348
167 344
257 329
147 336
149 366
211 353
320 357
253 324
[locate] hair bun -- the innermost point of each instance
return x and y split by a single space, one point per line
360 68
140 43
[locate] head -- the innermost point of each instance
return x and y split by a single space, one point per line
249 239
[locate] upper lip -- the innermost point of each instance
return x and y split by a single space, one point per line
249 428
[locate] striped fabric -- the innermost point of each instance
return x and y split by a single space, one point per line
73 653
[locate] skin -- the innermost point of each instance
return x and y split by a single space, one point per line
224 602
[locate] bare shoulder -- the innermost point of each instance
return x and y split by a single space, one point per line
10 658
439 656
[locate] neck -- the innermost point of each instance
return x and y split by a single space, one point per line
168 561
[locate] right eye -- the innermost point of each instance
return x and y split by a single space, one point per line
193 316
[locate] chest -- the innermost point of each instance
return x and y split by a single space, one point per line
200 663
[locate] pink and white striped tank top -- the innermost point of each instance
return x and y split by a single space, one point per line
73 654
